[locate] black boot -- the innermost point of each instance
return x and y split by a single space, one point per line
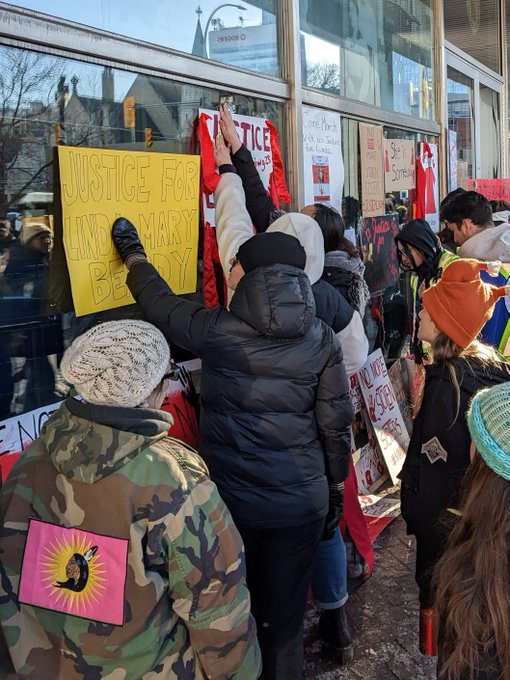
335 630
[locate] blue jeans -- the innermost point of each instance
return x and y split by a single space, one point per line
329 573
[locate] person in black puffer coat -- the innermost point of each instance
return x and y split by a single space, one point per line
275 413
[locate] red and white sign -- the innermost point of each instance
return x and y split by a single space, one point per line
384 413
255 135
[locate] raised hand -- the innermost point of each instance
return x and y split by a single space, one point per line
228 129
220 151
126 240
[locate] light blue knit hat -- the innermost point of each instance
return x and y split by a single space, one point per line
489 425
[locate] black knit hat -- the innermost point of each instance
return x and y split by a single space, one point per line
271 248
419 234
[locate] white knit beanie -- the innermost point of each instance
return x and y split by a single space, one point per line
118 363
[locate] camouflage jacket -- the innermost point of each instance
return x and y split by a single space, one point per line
120 498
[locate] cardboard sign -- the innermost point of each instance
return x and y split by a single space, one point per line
255 135
157 192
384 413
492 189
399 165
322 157
377 235
372 170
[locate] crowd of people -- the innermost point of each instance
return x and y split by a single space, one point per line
125 553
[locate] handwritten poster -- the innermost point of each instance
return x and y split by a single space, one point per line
492 189
399 165
255 135
157 192
18 432
322 157
384 413
372 170
367 459
377 235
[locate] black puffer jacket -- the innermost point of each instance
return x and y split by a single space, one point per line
274 396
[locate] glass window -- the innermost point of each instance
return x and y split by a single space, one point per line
240 34
374 51
45 100
490 149
473 26
459 91
387 318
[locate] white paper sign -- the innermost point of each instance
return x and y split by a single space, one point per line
384 413
322 156
255 135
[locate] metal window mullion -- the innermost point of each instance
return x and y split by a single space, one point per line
290 56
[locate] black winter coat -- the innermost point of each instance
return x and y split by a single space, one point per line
438 453
275 409
331 307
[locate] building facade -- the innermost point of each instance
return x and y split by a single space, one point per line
100 74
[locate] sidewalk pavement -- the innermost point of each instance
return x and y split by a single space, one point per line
384 614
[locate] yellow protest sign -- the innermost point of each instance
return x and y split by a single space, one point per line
157 192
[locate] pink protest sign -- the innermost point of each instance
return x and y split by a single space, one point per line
74 572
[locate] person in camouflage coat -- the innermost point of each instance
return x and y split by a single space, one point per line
144 575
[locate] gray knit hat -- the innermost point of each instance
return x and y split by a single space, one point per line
118 363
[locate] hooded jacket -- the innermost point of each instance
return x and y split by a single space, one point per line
346 273
438 452
112 472
275 409
233 229
417 233
488 245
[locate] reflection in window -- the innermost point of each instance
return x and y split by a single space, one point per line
473 26
44 101
239 34
490 150
459 89
375 51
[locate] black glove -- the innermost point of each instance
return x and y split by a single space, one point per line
125 238
336 504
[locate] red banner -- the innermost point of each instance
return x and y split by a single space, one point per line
492 189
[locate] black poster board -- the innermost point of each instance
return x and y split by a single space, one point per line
377 236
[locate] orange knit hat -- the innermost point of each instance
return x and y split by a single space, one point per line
460 303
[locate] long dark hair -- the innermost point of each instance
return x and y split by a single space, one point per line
472 581
332 226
